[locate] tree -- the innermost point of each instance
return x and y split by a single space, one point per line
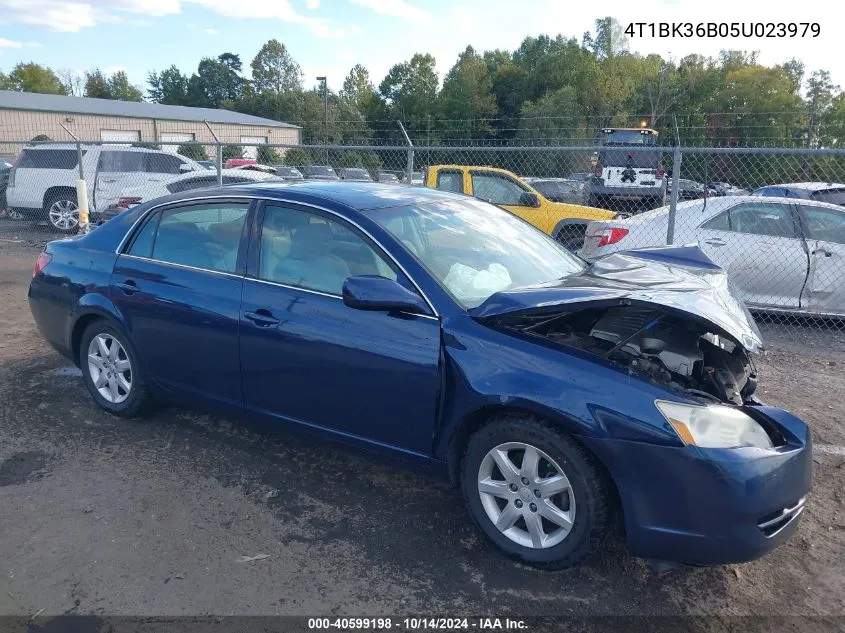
467 93
116 87
297 157
169 86
32 77
231 61
358 91
41 138
410 89
232 151
268 155
214 83
193 150
96 85
274 69
72 81
350 159
820 95
610 38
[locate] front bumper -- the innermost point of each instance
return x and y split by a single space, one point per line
711 506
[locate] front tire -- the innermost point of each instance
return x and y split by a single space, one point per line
112 372
555 520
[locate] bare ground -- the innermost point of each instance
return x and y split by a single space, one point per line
104 516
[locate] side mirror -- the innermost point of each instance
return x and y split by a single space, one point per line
528 199
371 292
185 167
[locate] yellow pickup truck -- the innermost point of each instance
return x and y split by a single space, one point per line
564 222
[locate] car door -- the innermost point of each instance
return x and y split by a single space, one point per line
178 285
825 230
760 247
504 191
308 358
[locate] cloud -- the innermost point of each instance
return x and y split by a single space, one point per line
73 16
210 31
396 9
312 4
4 43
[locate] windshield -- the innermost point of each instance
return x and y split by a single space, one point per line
474 249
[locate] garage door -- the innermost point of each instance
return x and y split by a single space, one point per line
175 137
124 136
250 142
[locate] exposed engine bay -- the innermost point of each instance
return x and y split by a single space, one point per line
676 351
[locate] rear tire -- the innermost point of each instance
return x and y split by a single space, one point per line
560 464
62 212
112 371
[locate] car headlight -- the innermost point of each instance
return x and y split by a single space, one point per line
714 426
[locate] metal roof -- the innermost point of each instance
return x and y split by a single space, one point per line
12 100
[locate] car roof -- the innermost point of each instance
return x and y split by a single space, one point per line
250 174
724 201
361 196
809 186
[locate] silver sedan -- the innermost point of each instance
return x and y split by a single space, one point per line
785 255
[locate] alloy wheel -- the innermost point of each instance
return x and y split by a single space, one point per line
526 495
110 368
64 215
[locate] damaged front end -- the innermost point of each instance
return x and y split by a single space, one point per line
667 315
674 351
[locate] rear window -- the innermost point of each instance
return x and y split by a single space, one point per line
833 196
624 158
48 159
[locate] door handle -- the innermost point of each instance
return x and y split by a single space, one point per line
129 287
715 241
262 318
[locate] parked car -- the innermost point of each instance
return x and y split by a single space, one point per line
132 196
563 221
354 173
42 183
552 393
626 180
831 192
319 172
5 168
784 255
559 189
267 169
580 176
208 164
288 173
727 189
417 178
689 189
386 176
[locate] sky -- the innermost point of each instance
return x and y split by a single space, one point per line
327 37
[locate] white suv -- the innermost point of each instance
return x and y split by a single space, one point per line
42 184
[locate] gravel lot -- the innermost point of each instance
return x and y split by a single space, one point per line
104 516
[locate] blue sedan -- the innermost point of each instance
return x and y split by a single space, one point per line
444 332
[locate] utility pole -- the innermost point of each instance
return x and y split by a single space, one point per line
326 123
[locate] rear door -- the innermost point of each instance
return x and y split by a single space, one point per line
759 245
178 285
825 228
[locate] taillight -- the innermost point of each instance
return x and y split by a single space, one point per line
660 173
41 262
609 236
598 171
128 201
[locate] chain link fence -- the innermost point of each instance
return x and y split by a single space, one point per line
771 217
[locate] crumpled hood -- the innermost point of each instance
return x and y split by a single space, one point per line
681 278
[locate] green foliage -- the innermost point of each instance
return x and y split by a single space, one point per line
41 138
169 86
116 87
350 159
32 77
193 150
273 69
268 155
370 161
297 157
232 151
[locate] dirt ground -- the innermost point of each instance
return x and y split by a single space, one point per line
104 516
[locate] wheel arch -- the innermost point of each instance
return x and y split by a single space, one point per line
567 222
93 308
52 192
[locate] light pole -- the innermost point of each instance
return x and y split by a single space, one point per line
326 105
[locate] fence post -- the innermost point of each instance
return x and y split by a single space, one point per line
218 159
409 165
81 187
673 197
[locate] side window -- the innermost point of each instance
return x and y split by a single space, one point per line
496 188
48 159
192 183
203 236
774 220
826 225
721 222
450 181
142 244
309 251
116 162
163 163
